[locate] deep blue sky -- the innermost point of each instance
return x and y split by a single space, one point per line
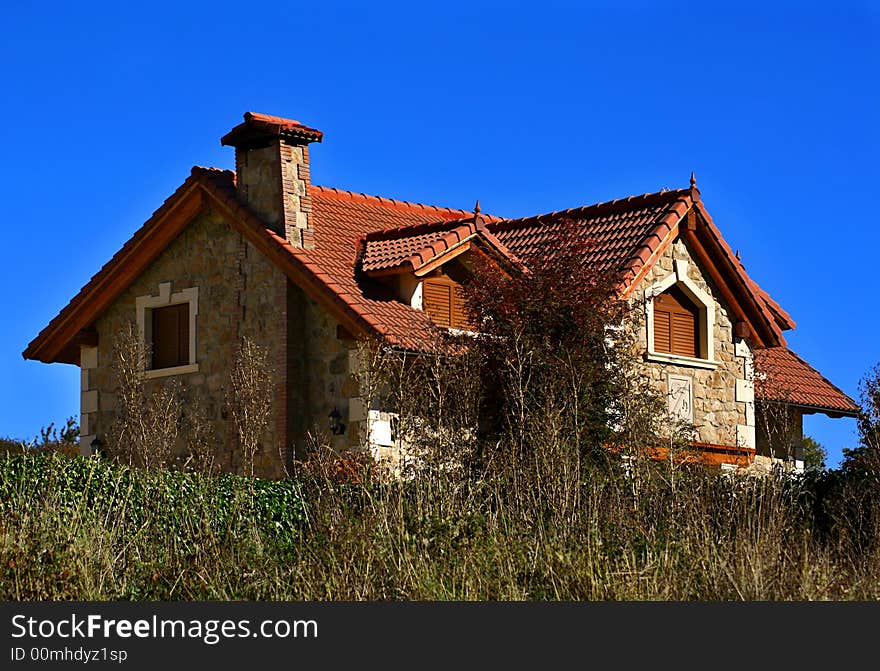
529 108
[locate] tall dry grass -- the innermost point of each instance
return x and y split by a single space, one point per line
85 529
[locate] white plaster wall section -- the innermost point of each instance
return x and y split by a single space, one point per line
681 398
745 396
745 436
410 291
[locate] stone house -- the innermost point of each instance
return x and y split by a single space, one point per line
306 270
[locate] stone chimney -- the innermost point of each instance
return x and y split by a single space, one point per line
272 172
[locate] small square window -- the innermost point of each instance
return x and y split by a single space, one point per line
167 324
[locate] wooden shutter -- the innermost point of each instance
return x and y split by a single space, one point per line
437 300
662 330
460 317
443 300
684 334
676 324
170 336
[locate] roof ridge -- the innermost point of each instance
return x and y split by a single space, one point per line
386 202
614 205
210 169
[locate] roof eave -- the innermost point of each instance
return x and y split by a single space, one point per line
760 320
56 343
809 408
53 343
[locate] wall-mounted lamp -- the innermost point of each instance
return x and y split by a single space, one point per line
337 428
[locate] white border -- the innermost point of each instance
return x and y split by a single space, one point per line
706 308
689 385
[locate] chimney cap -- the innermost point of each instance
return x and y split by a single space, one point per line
258 129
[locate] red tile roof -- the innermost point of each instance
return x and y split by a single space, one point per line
781 375
622 230
393 248
258 125
355 234
626 232
341 219
413 247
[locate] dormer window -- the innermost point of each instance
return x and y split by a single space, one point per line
443 300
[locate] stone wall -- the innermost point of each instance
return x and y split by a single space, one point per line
239 293
722 397
321 365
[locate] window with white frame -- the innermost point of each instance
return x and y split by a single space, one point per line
167 325
680 321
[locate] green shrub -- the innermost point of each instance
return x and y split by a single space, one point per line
145 522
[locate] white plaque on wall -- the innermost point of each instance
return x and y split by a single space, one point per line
681 398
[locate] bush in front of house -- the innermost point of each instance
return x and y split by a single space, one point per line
87 528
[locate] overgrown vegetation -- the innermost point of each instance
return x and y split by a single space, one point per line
93 529
561 380
524 477
87 529
147 421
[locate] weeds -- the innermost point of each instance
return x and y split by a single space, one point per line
106 531
147 421
249 400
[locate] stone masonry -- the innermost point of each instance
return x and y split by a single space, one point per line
723 398
239 295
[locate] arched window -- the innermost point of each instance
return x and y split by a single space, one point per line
681 321
676 324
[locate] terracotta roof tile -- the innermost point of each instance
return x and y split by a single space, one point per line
385 231
342 219
419 244
261 125
785 377
390 232
620 229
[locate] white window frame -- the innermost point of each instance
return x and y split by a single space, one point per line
146 304
706 310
